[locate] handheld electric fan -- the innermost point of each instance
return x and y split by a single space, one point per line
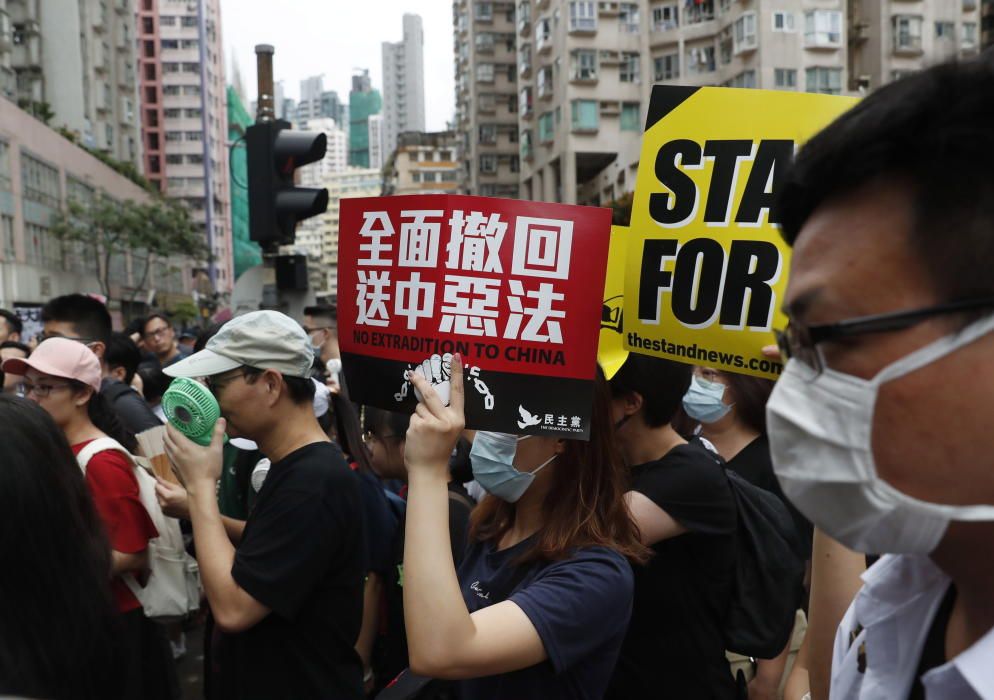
192 409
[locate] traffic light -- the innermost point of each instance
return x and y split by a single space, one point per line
276 204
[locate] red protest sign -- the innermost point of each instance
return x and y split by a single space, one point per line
514 287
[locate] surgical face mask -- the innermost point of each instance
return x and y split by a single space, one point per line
703 401
820 431
315 345
492 460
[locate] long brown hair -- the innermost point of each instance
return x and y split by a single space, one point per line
585 506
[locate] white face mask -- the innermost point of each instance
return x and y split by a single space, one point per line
820 431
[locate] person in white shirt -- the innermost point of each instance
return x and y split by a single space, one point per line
880 426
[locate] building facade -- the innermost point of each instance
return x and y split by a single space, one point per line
424 163
353 182
364 102
585 70
377 141
72 63
310 232
487 106
184 105
404 83
246 253
40 171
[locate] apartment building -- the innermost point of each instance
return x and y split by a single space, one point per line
310 232
315 103
424 163
487 57
404 83
364 102
353 182
40 172
73 64
185 119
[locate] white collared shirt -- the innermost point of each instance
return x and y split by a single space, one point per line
879 643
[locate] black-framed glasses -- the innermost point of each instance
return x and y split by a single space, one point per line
800 341
215 385
42 391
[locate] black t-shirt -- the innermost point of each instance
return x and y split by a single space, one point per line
753 464
302 556
675 645
130 408
382 525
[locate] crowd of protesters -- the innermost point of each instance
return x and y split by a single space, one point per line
342 553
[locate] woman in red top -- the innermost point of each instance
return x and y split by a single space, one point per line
63 377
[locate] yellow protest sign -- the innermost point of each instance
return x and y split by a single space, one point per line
611 353
706 266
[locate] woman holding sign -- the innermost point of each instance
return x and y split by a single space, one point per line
541 602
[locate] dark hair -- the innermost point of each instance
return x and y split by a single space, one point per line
349 431
206 335
89 318
931 131
750 395
17 346
135 325
152 317
13 321
122 352
154 382
57 612
102 415
323 311
383 423
300 389
661 383
586 505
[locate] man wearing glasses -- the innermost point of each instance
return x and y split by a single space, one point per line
880 426
160 338
288 598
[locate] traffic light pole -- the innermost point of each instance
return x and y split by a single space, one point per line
276 203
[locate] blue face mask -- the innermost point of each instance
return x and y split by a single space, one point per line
492 459
703 401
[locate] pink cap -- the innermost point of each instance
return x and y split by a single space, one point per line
60 357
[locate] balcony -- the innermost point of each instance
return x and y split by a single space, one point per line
583 75
545 89
543 36
524 18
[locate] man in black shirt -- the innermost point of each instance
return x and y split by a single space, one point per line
288 600
685 510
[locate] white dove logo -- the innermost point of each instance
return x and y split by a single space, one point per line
527 419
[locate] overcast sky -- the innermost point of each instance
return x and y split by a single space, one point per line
332 37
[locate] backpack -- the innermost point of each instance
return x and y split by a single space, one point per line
173 588
768 573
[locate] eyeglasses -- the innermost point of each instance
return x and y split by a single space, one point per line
42 337
215 386
309 329
800 341
157 332
369 437
40 390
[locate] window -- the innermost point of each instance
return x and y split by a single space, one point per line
584 65
416 177
945 30
546 128
783 21
665 17
667 67
189 44
170 67
969 35
628 17
167 20
174 136
40 182
701 60
584 115
543 33
515 164
485 72
487 102
488 163
785 78
631 67
526 144
192 113
174 159
191 67
907 33
4 165
699 12
485 42
189 22
7 231
191 90
745 33
525 102
194 136
582 16
169 44
170 90
484 11
745 79
822 28
488 134
171 113
827 81
545 82
525 59
630 116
